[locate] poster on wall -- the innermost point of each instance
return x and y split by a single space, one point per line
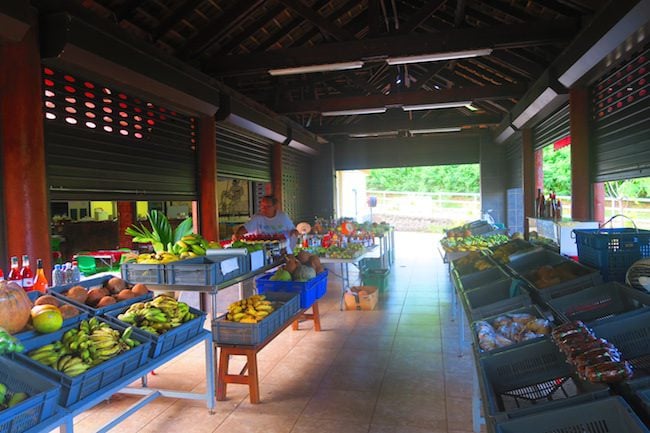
234 197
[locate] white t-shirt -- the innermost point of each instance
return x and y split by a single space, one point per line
280 223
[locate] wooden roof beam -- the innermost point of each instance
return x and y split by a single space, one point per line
472 93
498 37
175 16
421 15
317 20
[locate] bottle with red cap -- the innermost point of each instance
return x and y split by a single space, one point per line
14 272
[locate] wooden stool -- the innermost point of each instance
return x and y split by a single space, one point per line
250 352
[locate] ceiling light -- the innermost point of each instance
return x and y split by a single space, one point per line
434 130
470 107
436 106
545 98
377 110
438 56
374 134
317 68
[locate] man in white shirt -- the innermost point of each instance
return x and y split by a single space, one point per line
270 220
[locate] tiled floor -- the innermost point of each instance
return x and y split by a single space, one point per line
392 370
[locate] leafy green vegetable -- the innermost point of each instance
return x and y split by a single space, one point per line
161 236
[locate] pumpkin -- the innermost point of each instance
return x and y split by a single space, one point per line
15 307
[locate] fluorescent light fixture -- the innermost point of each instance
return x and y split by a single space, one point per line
438 56
374 134
505 134
544 99
377 110
470 107
436 106
435 130
343 66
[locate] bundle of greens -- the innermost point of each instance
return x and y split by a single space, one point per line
161 235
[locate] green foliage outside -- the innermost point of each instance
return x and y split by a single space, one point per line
445 178
557 177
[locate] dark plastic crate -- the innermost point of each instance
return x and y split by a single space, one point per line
478 279
602 302
75 389
637 393
631 336
375 277
308 290
495 298
609 415
370 263
143 273
58 292
206 270
530 379
530 309
31 333
163 343
612 251
251 334
40 404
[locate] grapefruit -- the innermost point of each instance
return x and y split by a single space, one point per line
47 321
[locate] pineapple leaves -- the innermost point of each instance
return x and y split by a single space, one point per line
183 229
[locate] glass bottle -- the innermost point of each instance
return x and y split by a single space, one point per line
2 275
26 274
40 281
14 273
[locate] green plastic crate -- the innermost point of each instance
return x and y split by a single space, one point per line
375 277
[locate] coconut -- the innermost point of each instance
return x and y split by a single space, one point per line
78 293
68 311
47 299
115 285
125 294
140 289
95 295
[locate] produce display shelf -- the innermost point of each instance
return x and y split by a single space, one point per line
58 291
495 298
163 343
611 414
478 279
608 301
206 270
227 332
77 389
40 404
32 333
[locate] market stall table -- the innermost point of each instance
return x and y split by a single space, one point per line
345 272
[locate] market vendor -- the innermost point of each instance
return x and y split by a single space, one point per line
269 220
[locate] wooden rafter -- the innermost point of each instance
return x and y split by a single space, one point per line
176 15
421 15
317 20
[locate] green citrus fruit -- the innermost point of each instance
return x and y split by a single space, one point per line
47 321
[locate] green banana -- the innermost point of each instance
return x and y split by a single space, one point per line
60 364
76 369
16 398
198 249
3 392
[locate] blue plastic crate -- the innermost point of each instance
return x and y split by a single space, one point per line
75 389
58 291
612 251
308 290
143 273
206 270
163 343
609 415
251 334
41 403
494 298
31 333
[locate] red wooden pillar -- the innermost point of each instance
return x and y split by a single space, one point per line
26 203
276 171
539 170
208 206
126 217
528 171
581 187
599 202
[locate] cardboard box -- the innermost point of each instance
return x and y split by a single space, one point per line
361 298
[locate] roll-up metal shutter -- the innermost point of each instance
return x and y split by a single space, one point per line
553 128
621 112
296 185
242 154
514 161
102 144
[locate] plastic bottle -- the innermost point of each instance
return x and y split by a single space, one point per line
76 273
57 275
68 276
40 282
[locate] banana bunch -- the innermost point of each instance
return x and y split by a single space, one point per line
190 246
92 343
157 316
157 258
250 310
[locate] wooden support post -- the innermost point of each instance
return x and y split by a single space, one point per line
26 205
207 153
581 189
126 216
599 202
528 171
539 170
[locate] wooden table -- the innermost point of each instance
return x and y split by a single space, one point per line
250 352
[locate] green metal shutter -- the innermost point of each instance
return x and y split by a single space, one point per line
621 112
551 129
102 144
296 185
242 154
514 161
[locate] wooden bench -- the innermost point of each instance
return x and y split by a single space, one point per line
250 352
